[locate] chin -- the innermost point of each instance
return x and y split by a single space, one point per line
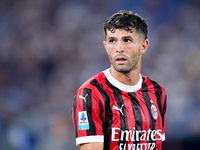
122 69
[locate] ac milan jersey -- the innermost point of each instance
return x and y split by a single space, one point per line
123 117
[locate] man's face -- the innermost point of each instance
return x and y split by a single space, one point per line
124 49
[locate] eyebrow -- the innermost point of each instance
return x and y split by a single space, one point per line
111 38
127 37
124 37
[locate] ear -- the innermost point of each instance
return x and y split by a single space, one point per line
104 43
144 46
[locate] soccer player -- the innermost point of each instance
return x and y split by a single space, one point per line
120 109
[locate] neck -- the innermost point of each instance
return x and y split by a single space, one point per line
130 78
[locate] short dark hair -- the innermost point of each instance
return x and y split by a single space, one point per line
128 21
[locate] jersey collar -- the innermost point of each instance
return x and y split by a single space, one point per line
121 86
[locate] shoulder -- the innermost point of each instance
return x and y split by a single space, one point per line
94 81
152 84
93 89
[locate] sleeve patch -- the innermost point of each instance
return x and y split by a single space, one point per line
83 120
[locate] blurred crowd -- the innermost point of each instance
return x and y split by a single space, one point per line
48 48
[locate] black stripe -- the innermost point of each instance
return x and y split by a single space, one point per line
137 114
74 113
118 97
158 93
108 114
120 104
147 99
101 112
87 106
164 110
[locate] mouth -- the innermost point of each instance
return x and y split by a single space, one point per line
120 60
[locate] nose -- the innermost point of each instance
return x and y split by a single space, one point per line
119 47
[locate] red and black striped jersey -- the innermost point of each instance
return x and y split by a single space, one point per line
123 117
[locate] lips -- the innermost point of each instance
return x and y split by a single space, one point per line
120 59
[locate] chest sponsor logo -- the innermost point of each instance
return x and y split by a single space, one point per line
140 139
154 111
83 120
136 135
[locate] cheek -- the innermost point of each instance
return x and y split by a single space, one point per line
110 55
110 50
135 54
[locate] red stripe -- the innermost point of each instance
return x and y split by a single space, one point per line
163 101
158 126
73 119
81 133
101 98
96 111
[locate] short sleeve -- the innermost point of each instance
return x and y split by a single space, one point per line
87 116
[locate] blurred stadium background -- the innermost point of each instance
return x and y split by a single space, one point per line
48 48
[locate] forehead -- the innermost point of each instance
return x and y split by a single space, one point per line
118 33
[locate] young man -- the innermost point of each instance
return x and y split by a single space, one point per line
120 109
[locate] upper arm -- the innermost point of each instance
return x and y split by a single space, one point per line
92 146
87 115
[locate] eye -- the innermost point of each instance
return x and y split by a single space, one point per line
127 40
112 41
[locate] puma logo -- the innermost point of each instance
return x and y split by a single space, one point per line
84 98
120 109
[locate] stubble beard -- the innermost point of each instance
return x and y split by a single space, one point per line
125 68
